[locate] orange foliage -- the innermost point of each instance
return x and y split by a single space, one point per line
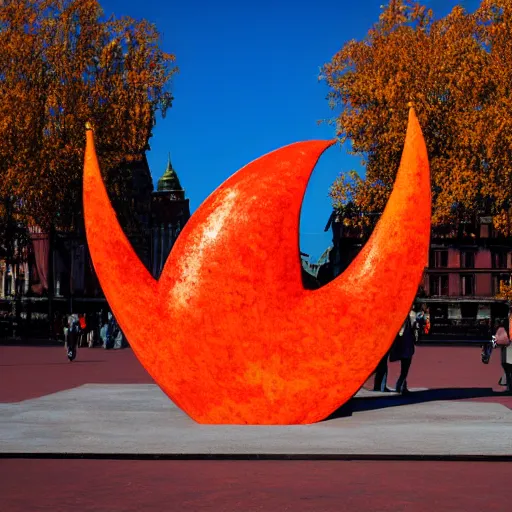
62 64
505 292
457 71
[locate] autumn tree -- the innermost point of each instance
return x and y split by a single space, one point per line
457 71
63 64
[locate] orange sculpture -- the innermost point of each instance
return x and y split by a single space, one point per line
228 332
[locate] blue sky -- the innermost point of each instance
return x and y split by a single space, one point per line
248 84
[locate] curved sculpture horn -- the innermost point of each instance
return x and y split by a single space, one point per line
380 285
129 288
229 332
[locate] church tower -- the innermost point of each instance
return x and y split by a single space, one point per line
169 212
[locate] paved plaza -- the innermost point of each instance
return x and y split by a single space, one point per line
105 406
139 420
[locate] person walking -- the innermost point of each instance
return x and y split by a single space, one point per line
381 374
111 331
65 329
83 329
413 314
402 350
92 329
73 336
422 321
503 341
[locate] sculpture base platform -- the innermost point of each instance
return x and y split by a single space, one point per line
139 421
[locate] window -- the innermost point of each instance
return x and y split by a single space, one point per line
438 284
439 259
485 230
467 259
467 282
485 227
499 259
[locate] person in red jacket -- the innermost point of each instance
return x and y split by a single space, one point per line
83 329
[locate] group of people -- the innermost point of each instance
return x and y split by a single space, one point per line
91 330
403 347
415 324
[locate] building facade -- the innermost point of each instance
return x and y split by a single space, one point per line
60 264
467 263
170 211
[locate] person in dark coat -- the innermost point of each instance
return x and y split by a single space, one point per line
381 374
402 350
73 336
112 331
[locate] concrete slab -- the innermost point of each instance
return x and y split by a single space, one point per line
139 420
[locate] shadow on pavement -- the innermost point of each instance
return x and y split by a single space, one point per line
369 403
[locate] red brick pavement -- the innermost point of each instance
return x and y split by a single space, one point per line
29 372
109 485
243 486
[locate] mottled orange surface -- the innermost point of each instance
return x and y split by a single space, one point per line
228 332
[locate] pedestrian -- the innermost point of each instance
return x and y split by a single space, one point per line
503 342
65 330
402 350
415 317
103 335
83 329
111 332
92 329
427 327
119 339
381 374
421 321
73 336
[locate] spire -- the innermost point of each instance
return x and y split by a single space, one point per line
169 181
